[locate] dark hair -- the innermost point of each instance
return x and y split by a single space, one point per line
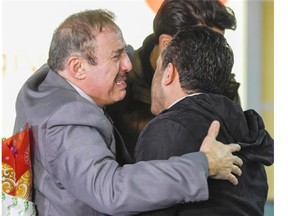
174 15
77 36
202 57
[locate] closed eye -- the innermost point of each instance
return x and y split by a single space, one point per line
117 54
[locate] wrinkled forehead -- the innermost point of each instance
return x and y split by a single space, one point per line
109 41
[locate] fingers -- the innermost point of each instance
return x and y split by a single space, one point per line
233 179
236 170
237 161
222 164
214 129
231 176
234 147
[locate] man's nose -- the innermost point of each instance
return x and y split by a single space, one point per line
126 63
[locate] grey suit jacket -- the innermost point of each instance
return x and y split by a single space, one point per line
74 167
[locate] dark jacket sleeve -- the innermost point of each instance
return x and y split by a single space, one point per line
112 189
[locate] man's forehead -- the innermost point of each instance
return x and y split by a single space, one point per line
110 37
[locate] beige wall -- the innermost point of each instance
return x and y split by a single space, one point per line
268 79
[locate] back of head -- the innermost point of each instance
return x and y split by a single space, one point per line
202 57
77 36
174 15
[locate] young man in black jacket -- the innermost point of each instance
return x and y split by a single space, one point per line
187 94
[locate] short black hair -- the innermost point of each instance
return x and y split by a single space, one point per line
202 57
174 15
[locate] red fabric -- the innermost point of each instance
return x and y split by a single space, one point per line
16 154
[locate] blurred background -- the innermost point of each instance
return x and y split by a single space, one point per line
27 28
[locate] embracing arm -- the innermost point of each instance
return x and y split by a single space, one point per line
80 159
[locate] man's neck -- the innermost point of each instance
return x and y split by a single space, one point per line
154 56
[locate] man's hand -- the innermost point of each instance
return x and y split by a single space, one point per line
222 164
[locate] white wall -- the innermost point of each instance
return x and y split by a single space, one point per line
27 28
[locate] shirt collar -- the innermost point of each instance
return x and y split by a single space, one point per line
190 95
82 93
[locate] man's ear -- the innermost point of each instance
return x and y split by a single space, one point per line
170 74
76 69
164 40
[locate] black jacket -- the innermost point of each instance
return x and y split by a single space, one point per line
182 128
